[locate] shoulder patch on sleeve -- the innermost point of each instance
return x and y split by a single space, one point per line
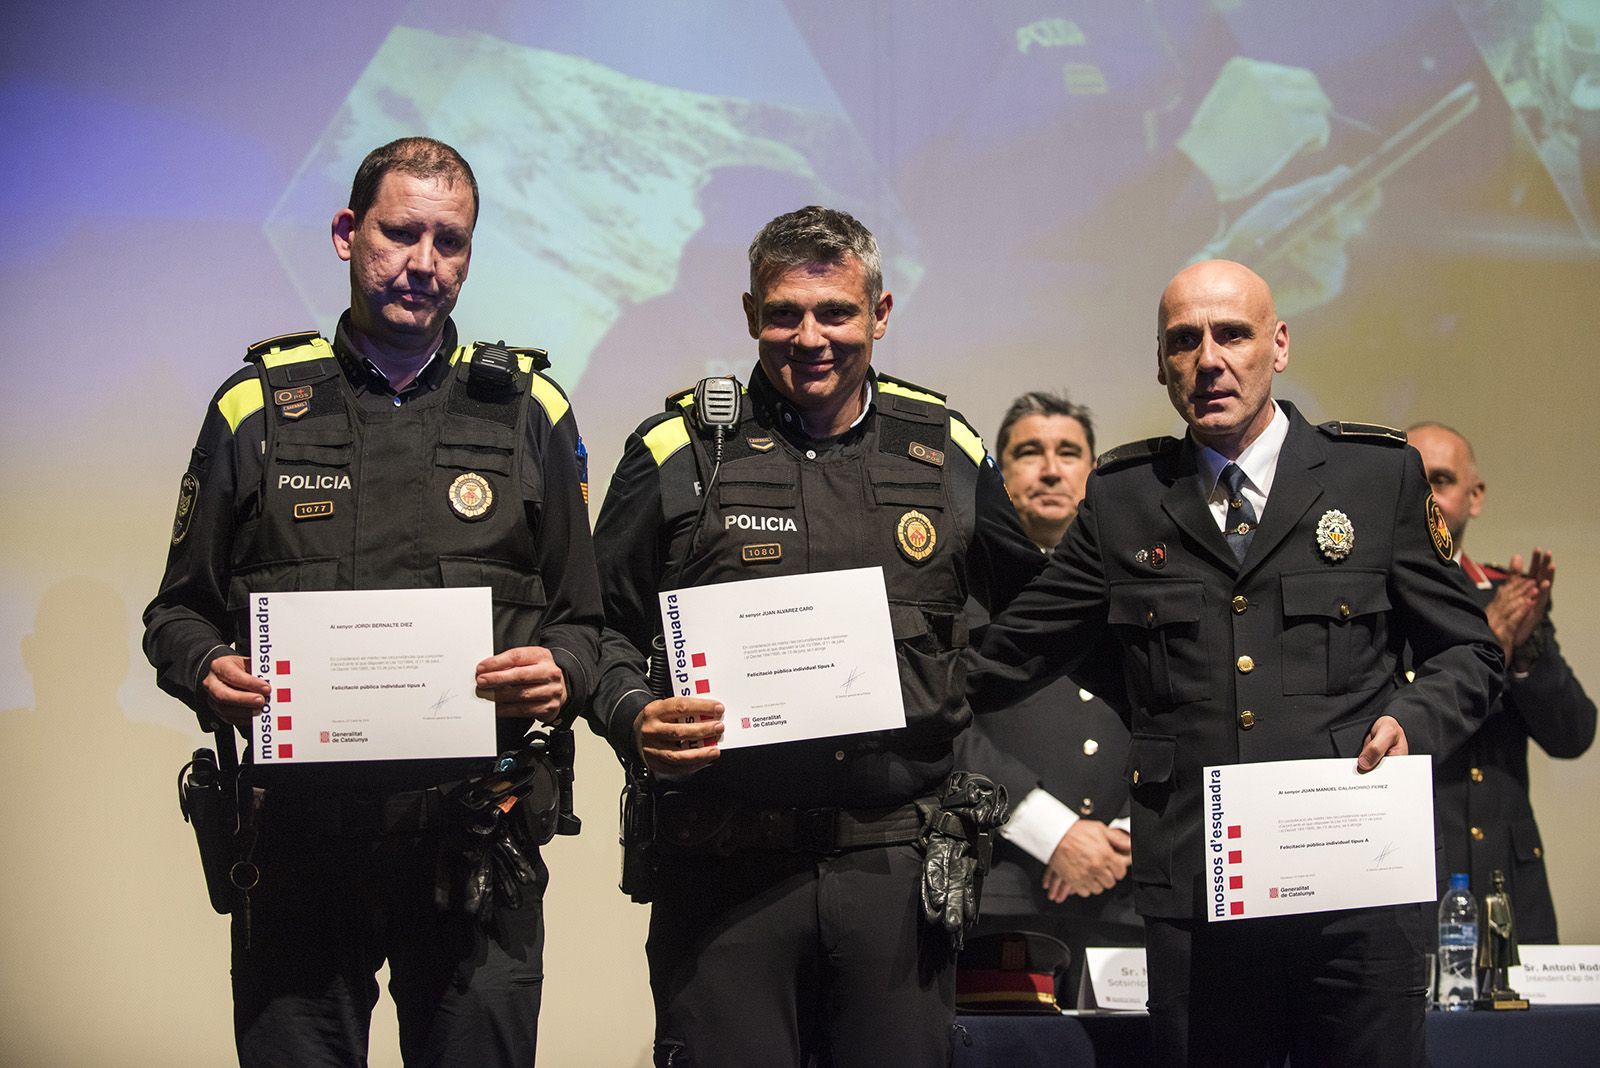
666 438
282 341
549 395
1373 432
1135 451
968 440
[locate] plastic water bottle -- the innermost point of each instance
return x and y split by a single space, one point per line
1458 946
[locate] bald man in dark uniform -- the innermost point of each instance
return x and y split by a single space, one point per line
1242 631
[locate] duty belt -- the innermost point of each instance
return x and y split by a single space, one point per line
723 828
399 813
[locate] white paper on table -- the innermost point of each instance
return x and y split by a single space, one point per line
789 657
1293 836
371 675
1557 975
1114 977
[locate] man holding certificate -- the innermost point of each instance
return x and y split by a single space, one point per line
437 489
1259 579
785 878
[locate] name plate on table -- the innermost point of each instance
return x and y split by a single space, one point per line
790 657
1294 836
1558 975
371 675
1113 978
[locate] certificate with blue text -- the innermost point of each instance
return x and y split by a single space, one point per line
1291 836
790 657
371 675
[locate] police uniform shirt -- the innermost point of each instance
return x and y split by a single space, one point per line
642 538
187 624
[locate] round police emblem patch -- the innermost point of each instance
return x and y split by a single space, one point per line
1336 535
916 536
1443 544
471 496
188 491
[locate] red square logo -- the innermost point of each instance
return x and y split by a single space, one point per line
702 686
1236 908
1236 882
1235 856
744 721
286 723
282 667
286 751
1273 892
324 737
698 659
283 695
1233 832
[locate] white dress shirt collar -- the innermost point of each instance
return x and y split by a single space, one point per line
1259 462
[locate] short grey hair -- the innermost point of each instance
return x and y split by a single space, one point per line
1040 402
814 235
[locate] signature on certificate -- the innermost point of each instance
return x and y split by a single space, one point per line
444 699
1384 854
850 680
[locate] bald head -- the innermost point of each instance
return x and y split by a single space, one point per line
1219 341
1452 472
1217 278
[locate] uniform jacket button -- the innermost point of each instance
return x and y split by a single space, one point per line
1247 719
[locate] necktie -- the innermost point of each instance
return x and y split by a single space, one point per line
1240 525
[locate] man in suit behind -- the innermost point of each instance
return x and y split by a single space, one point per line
1061 865
1242 629
1480 792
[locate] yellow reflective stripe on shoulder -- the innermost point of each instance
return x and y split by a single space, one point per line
686 401
967 440
316 349
241 402
898 390
549 396
666 438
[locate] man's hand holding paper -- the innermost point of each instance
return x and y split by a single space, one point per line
678 736
523 683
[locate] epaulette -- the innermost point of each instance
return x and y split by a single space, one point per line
539 359
682 400
1373 432
528 359
1135 451
282 341
899 387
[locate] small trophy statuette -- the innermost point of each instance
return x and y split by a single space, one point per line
1497 950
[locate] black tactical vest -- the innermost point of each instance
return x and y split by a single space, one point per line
425 495
774 510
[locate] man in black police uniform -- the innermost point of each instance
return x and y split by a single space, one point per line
1062 753
1279 639
384 460
786 919
1480 791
